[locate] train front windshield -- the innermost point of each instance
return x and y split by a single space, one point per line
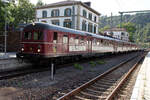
37 35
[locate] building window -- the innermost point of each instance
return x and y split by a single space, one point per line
55 13
122 33
55 22
95 18
84 13
44 14
95 28
67 12
90 27
84 25
90 16
44 21
67 23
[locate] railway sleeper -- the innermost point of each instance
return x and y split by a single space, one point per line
79 98
107 80
87 96
102 89
106 83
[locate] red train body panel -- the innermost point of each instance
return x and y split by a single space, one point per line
48 41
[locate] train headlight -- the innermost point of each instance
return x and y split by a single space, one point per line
22 49
38 50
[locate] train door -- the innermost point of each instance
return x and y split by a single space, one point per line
65 43
89 45
55 40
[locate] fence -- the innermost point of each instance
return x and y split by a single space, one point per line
13 39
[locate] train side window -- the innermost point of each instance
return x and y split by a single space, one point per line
94 42
98 43
77 40
27 35
65 39
55 37
82 40
101 41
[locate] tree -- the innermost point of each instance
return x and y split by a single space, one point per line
101 30
25 12
131 28
2 13
39 3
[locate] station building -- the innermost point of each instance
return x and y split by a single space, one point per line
119 33
72 14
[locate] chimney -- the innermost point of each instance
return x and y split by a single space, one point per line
88 3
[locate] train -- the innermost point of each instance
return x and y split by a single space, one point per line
41 41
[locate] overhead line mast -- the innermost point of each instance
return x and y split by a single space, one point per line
140 11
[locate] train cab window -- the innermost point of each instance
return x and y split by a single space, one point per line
38 35
65 39
55 37
27 35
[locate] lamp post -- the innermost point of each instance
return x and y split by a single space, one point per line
5 44
5 49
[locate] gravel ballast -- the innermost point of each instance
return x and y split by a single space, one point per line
39 86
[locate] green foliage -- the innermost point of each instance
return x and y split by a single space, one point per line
136 25
100 62
131 28
39 3
78 66
2 13
23 12
92 63
101 30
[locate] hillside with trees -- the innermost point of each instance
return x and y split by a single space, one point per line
138 26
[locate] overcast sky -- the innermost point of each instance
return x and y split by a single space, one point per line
105 7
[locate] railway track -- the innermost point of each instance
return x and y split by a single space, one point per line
35 69
106 85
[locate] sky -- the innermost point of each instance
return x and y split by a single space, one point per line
105 7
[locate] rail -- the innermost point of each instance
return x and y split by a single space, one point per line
82 87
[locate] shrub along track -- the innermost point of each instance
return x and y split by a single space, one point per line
104 86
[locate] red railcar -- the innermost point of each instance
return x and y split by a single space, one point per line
41 40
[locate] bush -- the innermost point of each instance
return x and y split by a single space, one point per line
92 63
78 66
100 62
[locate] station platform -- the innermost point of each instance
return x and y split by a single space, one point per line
141 90
7 55
9 62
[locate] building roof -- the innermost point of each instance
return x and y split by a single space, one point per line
116 29
65 3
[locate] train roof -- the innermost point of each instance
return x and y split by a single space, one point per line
42 26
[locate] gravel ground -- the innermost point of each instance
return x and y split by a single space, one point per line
39 86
